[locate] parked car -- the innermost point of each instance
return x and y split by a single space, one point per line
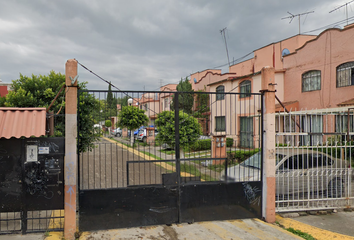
297 171
141 136
117 132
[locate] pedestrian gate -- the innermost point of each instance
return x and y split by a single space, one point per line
31 185
177 169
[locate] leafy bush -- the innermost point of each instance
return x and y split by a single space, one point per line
108 123
229 142
199 145
239 156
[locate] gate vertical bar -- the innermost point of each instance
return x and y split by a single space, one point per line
70 163
177 153
24 212
268 145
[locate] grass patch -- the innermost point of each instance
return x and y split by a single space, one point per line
217 167
300 234
157 158
185 167
170 152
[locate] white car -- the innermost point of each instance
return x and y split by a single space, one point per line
297 171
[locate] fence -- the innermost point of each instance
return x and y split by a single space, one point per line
314 159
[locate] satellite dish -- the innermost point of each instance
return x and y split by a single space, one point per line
285 52
195 80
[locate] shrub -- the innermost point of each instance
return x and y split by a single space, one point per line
199 145
239 156
229 142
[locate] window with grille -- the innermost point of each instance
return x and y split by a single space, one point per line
311 81
220 124
245 89
220 92
345 74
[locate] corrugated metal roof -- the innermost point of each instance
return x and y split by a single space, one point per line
22 122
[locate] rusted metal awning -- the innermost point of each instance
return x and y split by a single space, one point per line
22 122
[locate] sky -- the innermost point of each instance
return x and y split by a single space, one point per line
141 45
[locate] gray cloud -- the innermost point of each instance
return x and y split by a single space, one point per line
137 43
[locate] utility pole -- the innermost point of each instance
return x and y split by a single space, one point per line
297 15
346 9
222 31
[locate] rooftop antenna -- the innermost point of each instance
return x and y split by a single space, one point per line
222 31
346 8
297 15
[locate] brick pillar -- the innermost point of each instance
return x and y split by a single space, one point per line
70 170
150 135
218 148
268 87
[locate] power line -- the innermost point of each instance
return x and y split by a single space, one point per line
346 9
330 25
109 83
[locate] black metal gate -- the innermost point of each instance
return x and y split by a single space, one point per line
173 173
31 185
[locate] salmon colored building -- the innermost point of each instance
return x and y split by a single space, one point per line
166 96
320 74
244 78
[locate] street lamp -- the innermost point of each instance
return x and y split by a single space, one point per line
130 101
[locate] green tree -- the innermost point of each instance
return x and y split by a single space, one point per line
40 91
202 104
185 99
110 99
108 123
132 118
189 128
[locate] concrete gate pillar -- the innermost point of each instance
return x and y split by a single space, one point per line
70 162
268 145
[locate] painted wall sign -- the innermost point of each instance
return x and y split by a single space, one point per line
32 153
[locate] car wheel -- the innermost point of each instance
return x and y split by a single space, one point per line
118 135
144 139
335 188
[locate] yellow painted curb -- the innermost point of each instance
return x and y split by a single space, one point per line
315 232
55 236
149 158
278 228
55 221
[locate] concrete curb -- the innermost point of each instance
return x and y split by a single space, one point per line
315 232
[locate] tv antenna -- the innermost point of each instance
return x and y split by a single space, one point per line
346 8
297 15
222 31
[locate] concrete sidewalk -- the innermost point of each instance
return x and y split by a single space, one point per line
322 227
233 229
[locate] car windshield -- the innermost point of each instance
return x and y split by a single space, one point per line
255 160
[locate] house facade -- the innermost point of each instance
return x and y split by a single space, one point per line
244 78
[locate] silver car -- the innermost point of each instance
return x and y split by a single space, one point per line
298 171
141 136
117 132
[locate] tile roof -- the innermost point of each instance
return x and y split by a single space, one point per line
346 103
22 122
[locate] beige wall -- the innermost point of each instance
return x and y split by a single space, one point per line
330 49
233 107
